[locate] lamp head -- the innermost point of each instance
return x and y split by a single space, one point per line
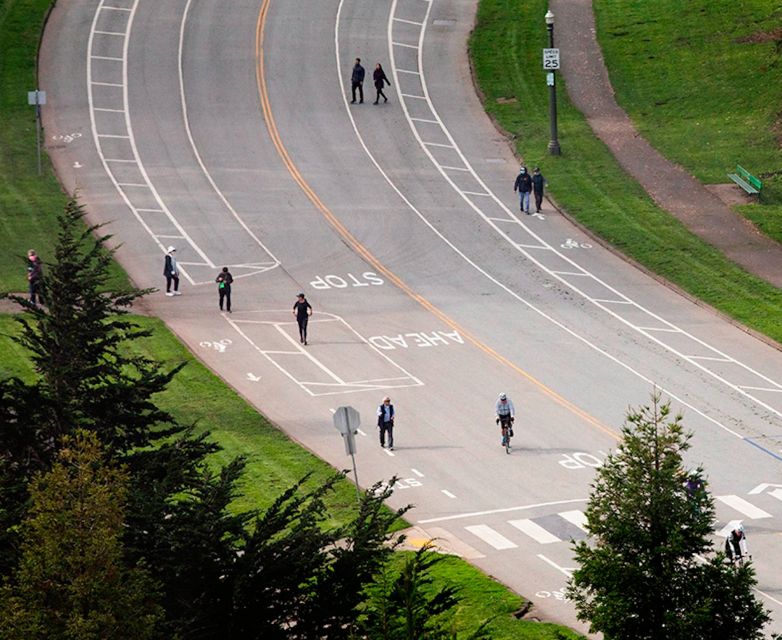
549 17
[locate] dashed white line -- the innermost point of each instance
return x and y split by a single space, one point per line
448 493
417 472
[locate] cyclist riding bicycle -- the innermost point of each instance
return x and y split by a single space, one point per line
506 414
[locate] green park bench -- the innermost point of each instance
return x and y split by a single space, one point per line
746 180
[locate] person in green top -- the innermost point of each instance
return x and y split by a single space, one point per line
224 280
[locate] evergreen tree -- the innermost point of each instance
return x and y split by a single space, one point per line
71 583
649 570
404 605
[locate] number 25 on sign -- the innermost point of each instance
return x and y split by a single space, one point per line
550 59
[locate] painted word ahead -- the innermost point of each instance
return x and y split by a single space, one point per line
418 339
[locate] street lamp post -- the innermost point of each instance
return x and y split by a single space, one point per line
553 145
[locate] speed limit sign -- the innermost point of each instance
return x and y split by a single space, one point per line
550 59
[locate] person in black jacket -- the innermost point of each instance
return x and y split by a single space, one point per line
224 280
523 185
171 271
538 182
357 82
34 275
379 76
302 310
385 422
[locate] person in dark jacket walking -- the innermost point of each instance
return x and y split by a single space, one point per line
224 280
538 182
171 271
357 82
302 310
379 76
385 422
523 185
34 275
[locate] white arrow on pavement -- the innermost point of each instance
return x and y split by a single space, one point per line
762 487
253 378
539 215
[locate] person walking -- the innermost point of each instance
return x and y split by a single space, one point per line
224 280
357 82
523 185
379 76
385 422
34 275
538 182
302 310
171 271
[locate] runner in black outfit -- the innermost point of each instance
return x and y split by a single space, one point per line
302 310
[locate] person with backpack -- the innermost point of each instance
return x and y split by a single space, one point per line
171 272
385 423
523 185
538 182
224 280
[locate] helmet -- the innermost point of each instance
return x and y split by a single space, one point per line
503 396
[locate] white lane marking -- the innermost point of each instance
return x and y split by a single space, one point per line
733 524
120 160
709 358
577 518
448 493
454 168
424 120
106 57
408 21
461 253
500 203
106 84
197 154
388 452
110 33
129 129
109 8
438 144
418 473
113 135
473 514
299 351
744 386
564 570
776 493
742 506
415 73
478 193
604 301
361 433
534 531
408 95
491 537
407 46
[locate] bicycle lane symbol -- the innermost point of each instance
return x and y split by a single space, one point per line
572 244
219 345
66 138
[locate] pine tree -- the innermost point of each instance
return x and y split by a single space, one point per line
71 582
648 570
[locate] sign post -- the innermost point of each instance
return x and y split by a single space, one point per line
37 98
551 65
347 421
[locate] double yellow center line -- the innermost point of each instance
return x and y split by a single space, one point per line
361 250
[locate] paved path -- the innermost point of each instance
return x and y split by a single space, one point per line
669 185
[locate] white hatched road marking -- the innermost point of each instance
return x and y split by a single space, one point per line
742 506
534 531
257 267
491 537
577 518
722 533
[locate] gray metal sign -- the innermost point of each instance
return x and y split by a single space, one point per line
347 421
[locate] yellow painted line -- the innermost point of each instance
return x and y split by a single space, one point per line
361 250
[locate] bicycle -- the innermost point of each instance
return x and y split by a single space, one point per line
506 423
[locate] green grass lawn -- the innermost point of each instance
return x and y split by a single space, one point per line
29 203
702 80
587 181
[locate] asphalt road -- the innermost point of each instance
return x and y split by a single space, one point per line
225 129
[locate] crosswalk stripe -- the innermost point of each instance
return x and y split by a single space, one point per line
577 518
534 531
742 506
733 524
491 537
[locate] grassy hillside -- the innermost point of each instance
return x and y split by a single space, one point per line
702 80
